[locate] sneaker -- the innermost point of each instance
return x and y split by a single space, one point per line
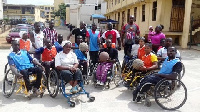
36 92
138 99
28 94
98 82
74 89
101 83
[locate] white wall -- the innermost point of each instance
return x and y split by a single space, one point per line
1 9
85 11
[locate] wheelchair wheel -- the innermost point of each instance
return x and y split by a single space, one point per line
117 74
9 83
180 76
170 94
53 83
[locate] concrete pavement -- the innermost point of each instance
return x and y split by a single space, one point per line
116 99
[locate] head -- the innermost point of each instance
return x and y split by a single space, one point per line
171 52
141 41
110 36
158 29
168 42
94 27
51 24
137 40
82 25
79 39
60 38
131 19
25 36
109 43
67 45
162 42
37 26
150 28
109 26
15 46
148 48
48 43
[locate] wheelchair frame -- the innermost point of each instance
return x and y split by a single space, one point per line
60 83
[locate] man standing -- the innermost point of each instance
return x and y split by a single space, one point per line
50 33
129 32
114 33
36 38
93 41
79 32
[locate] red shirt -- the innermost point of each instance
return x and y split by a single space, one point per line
49 55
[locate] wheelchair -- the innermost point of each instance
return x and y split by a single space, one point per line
11 81
55 83
113 74
85 76
168 94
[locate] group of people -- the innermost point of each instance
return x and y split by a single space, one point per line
49 48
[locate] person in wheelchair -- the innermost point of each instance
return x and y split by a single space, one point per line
104 45
170 70
104 66
141 49
48 54
81 55
66 61
162 52
21 64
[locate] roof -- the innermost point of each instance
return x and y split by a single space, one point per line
98 16
109 21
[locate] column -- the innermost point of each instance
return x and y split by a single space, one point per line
186 24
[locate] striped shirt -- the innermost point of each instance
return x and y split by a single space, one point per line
50 34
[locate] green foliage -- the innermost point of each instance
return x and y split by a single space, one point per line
61 11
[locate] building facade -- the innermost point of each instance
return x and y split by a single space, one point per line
48 12
175 15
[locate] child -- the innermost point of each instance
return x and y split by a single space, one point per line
162 44
24 43
113 44
141 51
151 33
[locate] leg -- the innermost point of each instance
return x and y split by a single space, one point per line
47 68
38 71
26 78
77 77
67 76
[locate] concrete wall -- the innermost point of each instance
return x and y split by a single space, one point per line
57 3
195 10
1 9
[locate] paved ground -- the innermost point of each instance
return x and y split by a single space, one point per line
115 99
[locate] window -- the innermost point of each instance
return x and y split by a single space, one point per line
45 8
52 8
119 1
115 16
154 11
135 12
47 12
143 12
118 16
128 15
47 16
48 8
115 2
98 7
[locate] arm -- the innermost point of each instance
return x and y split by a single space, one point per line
153 67
68 37
123 34
32 39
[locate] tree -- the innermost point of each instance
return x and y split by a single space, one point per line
61 11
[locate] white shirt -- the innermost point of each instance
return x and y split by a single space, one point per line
67 60
134 49
162 52
38 39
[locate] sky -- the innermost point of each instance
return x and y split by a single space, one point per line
33 2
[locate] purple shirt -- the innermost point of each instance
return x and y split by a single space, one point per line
151 33
155 40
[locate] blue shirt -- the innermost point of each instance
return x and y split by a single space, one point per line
22 60
93 40
58 47
79 54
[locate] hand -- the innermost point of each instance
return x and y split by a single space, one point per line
119 48
73 69
143 68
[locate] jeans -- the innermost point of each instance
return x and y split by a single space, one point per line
68 76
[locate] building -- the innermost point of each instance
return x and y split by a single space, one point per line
175 15
47 11
24 12
76 12
1 8
57 3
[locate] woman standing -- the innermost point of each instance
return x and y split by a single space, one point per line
155 39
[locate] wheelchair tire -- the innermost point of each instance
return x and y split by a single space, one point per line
165 90
11 81
117 74
53 81
182 72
